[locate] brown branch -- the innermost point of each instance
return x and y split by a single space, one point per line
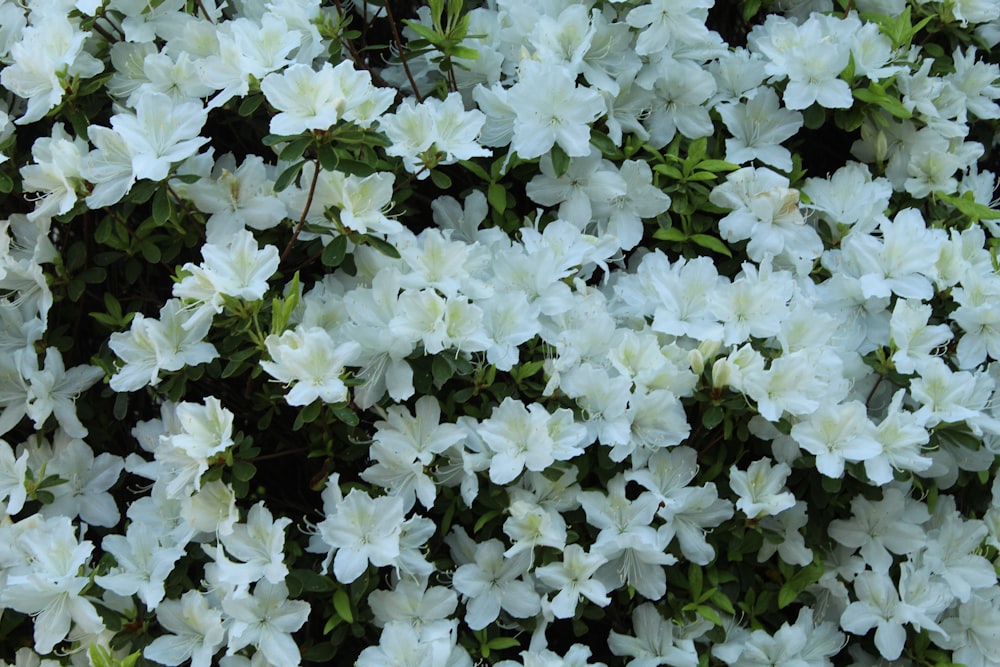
305 212
402 51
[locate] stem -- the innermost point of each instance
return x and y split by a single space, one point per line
305 212
277 455
402 51
868 398
409 179
201 6
104 15
104 33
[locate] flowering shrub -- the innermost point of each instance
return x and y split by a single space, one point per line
517 334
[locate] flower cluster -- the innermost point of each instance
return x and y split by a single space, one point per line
516 334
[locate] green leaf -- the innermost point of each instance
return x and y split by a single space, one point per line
151 252
334 252
463 52
440 179
294 149
75 289
275 139
560 161
479 172
6 183
496 195
308 414
814 117
720 600
670 234
709 614
750 9
712 417
161 206
484 519
668 170
605 144
501 643
696 151
967 205
695 581
244 470
425 32
716 165
711 243
250 104
441 370
345 414
288 176
328 158
342 605
314 582
381 245
323 653
877 95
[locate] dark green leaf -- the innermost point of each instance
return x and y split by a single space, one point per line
345 414
712 417
75 289
250 104
333 253
161 207
286 177
382 246
441 370
560 161
604 144
244 470
294 149
814 117
328 157
469 165
440 179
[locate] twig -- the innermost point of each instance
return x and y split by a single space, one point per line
402 51
305 212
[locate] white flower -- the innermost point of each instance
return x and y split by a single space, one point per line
196 631
48 53
561 116
759 488
161 132
12 477
311 100
143 560
656 641
759 128
878 606
266 620
892 524
573 578
362 530
240 268
311 360
50 584
492 581
837 434
53 391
